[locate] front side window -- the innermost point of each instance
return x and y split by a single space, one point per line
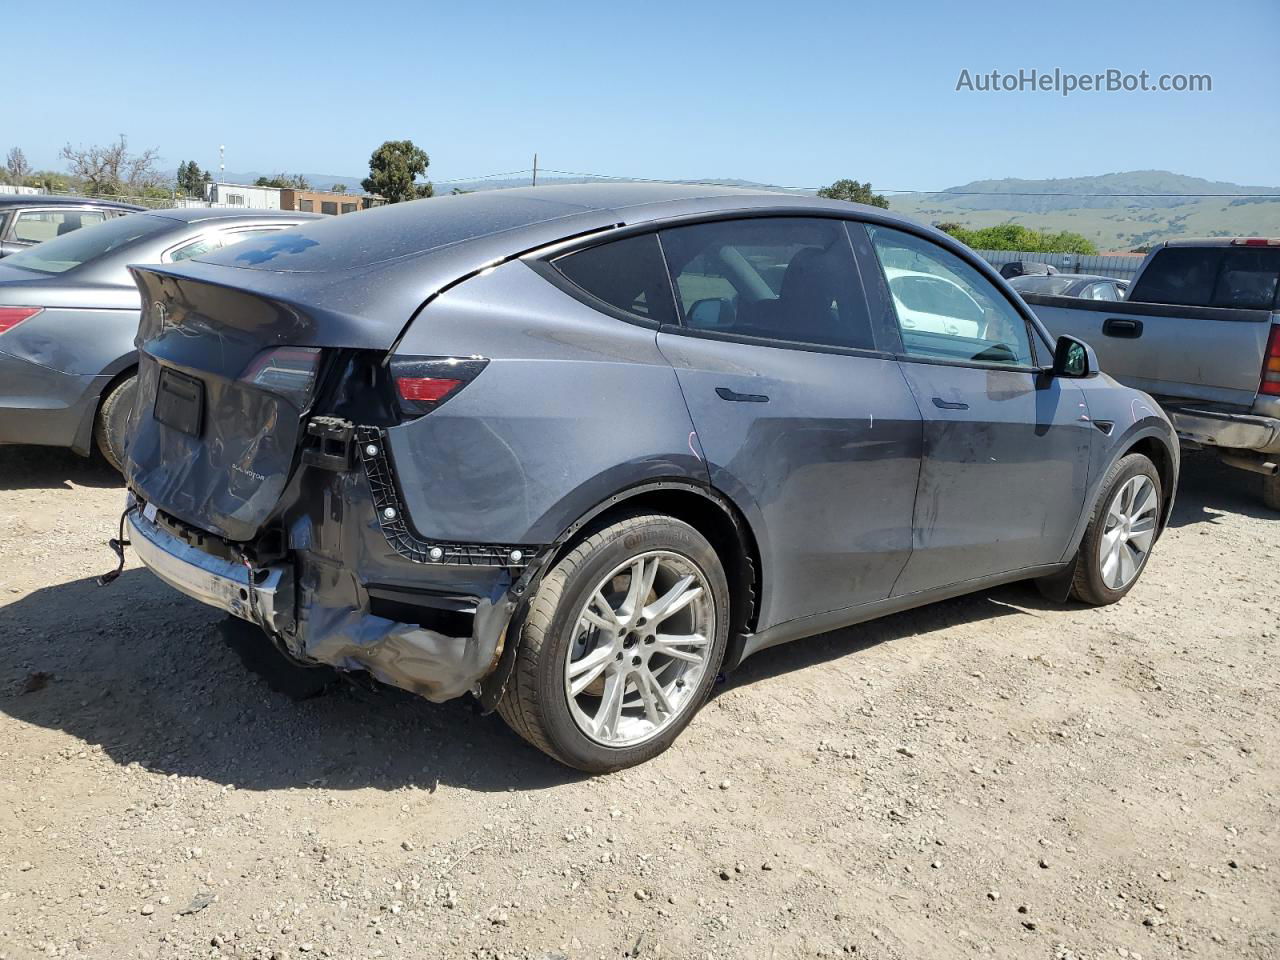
626 274
773 278
37 226
1102 291
946 309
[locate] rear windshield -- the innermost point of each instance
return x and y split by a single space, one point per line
81 246
1045 286
1233 277
390 232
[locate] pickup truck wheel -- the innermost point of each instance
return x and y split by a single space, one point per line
113 420
621 645
1121 533
1271 491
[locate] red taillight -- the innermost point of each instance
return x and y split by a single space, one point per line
1271 365
423 383
10 317
425 389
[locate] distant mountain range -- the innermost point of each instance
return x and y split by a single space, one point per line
1117 211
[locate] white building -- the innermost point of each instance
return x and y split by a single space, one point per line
242 195
25 191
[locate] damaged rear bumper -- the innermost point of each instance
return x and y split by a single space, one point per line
349 590
263 596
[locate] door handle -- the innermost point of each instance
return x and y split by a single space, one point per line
724 393
949 404
1124 329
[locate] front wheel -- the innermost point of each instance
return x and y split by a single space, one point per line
1121 533
621 645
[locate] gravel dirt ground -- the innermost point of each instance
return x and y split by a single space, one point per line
994 775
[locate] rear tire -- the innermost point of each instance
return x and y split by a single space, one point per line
1271 491
1109 563
539 703
112 422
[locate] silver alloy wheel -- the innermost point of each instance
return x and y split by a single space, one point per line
1129 532
640 648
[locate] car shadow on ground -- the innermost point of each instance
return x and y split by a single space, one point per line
1208 488
144 672
148 675
46 468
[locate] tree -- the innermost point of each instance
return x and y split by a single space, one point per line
338 188
854 192
16 162
393 171
190 179
295 181
1014 236
112 169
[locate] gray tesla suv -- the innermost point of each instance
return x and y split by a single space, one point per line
575 450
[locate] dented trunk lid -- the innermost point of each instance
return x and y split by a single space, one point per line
205 445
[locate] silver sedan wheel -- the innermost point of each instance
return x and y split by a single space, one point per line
640 649
1129 532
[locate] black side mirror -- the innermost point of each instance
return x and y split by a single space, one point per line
1074 359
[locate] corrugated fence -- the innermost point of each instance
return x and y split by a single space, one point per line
1122 266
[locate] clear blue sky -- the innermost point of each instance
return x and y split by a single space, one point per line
796 93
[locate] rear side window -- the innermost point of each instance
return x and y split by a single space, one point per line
792 280
37 226
628 275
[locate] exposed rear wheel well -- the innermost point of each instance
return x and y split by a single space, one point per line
716 519
1160 455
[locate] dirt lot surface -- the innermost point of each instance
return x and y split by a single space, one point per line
988 776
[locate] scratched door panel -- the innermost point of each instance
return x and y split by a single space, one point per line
1006 460
821 451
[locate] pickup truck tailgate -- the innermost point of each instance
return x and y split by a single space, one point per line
1194 353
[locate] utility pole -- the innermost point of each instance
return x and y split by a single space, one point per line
535 170
222 165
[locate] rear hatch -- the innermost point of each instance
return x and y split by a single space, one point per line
225 378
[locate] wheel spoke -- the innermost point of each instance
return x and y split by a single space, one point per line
606 720
671 646
1128 566
1142 533
643 573
673 601
598 613
583 672
1144 496
1110 564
